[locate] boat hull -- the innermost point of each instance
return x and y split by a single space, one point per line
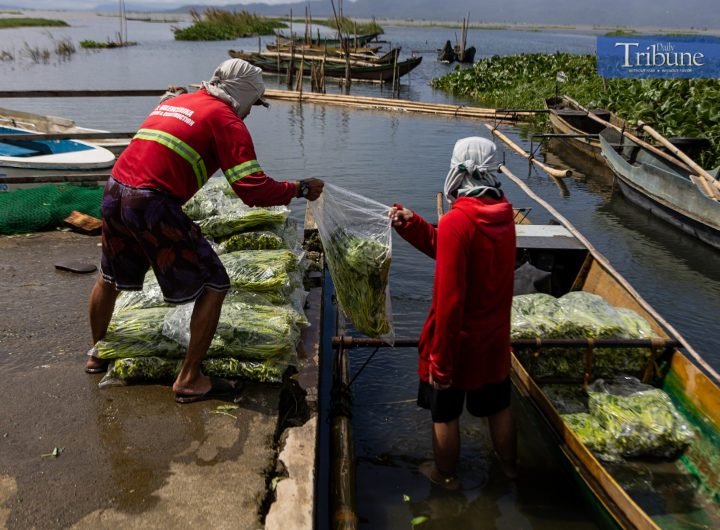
381 72
565 118
696 475
352 40
662 188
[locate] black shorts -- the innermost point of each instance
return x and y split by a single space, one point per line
447 405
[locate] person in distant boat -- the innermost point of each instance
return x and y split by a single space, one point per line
464 348
183 141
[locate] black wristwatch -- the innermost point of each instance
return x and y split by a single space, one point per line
303 189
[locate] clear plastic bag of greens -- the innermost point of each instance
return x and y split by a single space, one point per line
641 419
356 235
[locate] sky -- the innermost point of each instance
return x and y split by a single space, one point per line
82 5
702 14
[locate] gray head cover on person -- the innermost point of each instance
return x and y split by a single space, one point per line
470 170
238 83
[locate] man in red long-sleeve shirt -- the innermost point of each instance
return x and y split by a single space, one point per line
465 343
181 144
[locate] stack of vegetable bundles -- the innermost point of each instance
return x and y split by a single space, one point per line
262 314
356 237
578 315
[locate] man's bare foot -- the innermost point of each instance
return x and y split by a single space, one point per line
219 388
199 385
445 481
95 365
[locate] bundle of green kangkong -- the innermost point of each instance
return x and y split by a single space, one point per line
578 315
262 316
628 419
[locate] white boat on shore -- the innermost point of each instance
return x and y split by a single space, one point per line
45 160
27 158
38 123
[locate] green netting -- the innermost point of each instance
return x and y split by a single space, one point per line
45 207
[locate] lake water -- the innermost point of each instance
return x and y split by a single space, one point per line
398 158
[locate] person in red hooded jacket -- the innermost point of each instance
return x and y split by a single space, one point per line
464 348
183 142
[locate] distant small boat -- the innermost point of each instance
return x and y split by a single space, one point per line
668 190
450 54
33 157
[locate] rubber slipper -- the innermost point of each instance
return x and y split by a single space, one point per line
96 370
428 469
219 388
81 267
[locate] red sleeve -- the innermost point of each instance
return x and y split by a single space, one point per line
236 154
449 298
420 234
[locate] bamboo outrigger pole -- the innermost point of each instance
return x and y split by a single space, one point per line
553 172
630 136
705 177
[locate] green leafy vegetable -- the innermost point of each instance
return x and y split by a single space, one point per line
360 269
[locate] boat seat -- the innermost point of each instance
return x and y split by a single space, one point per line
9 149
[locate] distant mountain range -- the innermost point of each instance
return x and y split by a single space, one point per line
701 14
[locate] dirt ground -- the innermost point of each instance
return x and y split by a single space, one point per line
75 455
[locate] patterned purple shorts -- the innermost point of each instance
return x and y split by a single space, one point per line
145 228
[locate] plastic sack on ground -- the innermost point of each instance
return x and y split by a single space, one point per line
138 333
147 369
273 273
237 217
244 331
356 236
219 212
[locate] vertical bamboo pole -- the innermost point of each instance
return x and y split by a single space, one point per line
343 476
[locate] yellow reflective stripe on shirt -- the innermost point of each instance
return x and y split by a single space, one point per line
243 170
175 144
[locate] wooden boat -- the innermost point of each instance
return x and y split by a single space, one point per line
30 157
450 54
320 50
667 189
39 123
679 493
320 40
359 70
361 59
684 488
567 119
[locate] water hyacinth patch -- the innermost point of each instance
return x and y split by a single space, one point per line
674 107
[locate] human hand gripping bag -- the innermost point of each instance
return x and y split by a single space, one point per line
357 239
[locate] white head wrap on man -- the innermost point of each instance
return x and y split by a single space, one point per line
470 170
238 83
